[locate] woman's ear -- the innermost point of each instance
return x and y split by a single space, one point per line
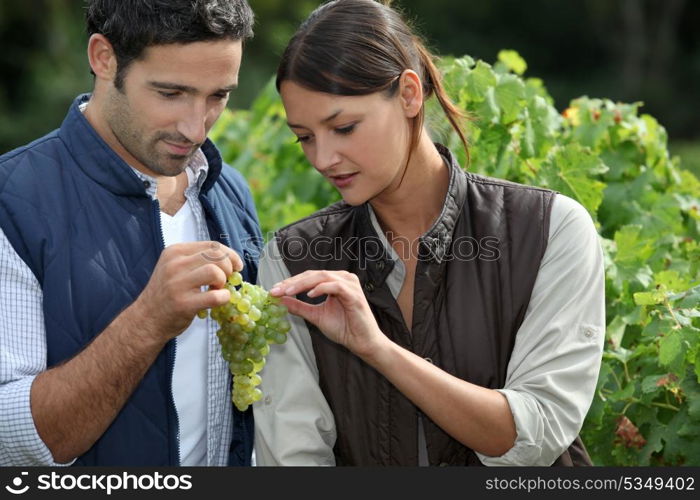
101 56
410 93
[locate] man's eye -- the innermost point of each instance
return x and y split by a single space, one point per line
168 95
220 97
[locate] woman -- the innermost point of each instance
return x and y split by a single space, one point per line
442 317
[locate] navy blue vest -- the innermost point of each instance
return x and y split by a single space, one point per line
81 220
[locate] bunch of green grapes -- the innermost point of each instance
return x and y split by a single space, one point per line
249 323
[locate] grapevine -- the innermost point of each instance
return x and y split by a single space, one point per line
248 324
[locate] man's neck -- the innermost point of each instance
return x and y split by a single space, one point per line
171 192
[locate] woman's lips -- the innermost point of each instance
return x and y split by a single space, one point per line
341 181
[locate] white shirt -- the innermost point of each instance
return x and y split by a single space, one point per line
551 376
190 369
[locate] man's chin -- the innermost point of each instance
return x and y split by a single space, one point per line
172 165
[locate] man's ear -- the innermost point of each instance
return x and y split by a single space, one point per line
101 56
410 93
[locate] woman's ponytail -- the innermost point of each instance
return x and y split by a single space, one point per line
433 80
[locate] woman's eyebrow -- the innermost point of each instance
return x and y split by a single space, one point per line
325 120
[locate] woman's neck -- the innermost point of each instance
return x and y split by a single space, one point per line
410 209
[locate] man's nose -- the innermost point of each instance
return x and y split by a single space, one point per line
193 124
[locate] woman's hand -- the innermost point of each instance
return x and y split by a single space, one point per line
344 317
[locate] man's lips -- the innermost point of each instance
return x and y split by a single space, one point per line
342 180
179 149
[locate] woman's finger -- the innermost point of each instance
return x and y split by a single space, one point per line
309 312
304 281
343 291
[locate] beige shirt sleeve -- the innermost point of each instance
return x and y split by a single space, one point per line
293 423
553 370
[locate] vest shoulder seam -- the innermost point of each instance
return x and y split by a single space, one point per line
324 212
11 155
482 179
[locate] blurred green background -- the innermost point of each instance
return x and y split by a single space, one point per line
627 50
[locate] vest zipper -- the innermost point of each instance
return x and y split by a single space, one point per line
171 346
223 237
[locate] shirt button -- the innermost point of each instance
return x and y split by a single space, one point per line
369 287
268 400
589 333
146 184
380 265
429 360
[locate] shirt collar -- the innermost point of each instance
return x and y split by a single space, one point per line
439 237
197 170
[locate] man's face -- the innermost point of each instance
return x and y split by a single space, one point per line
170 99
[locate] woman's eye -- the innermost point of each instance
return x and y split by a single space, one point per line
303 138
345 130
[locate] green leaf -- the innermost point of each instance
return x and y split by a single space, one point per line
689 299
672 281
572 170
455 73
493 141
675 442
623 355
478 81
624 160
670 348
631 247
649 298
624 394
691 388
510 95
513 61
527 140
650 383
616 331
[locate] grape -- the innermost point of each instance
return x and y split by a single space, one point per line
248 324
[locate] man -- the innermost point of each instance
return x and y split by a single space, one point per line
111 230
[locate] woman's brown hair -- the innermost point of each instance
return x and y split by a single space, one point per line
359 47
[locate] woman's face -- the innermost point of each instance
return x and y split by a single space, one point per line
359 143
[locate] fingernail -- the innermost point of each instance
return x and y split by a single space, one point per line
275 290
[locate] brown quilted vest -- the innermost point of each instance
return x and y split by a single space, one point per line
474 278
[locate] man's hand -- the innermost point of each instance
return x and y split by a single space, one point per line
174 293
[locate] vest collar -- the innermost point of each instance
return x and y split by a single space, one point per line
99 162
437 240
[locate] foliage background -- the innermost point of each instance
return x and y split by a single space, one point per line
627 50
613 157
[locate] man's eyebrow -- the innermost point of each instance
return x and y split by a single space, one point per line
187 88
325 120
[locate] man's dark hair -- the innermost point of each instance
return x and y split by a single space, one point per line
133 25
